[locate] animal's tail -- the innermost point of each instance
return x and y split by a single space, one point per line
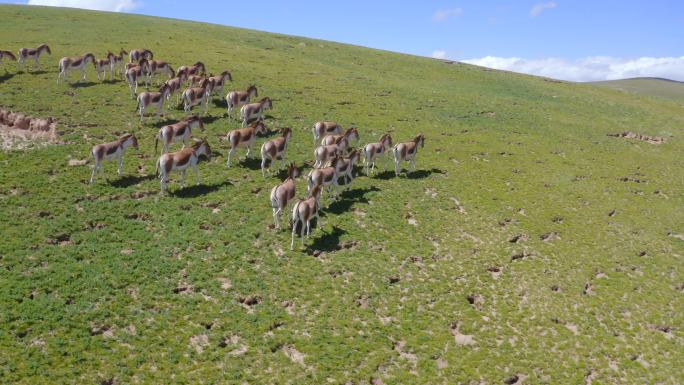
275 203
156 140
156 170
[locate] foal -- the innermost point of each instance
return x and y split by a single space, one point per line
111 150
275 149
303 211
407 151
283 193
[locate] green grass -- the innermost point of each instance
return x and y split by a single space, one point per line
663 88
115 281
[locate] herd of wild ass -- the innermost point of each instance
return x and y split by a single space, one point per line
334 155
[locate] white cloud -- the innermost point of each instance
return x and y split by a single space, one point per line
446 14
100 5
540 7
439 54
590 68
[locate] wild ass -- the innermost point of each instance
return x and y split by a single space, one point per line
140 53
197 95
275 149
220 81
326 176
303 212
244 137
67 64
373 150
175 85
345 167
283 193
32 53
181 160
407 151
255 110
343 141
148 99
7 55
157 67
177 131
112 150
324 154
195 69
325 128
118 63
236 99
104 65
136 72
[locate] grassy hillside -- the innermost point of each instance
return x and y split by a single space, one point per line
555 247
663 88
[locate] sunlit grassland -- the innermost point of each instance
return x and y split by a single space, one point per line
115 281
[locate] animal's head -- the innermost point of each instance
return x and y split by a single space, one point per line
89 57
110 55
195 121
123 52
292 171
353 133
165 89
259 126
420 140
201 147
131 140
286 132
252 90
226 76
46 48
267 103
316 192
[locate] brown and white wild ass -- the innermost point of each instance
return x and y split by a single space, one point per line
7 55
244 137
177 131
343 141
345 167
407 152
255 110
324 154
104 65
236 99
149 99
373 150
303 212
175 85
197 95
118 63
112 150
275 149
325 128
195 69
67 64
136 72
283 193
32 53
220 81
158 67
140 53
181 160
326 176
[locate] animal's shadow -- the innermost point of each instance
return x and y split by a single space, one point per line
249 162
39 72
421 174
348 198
221 103
6 76
82 84
198 190
328 242
130 180
385 175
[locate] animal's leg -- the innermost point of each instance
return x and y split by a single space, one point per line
230 155
92 176
276 217
294 231
182 181
199 178
120 160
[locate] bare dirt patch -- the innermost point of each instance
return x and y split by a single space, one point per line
644 138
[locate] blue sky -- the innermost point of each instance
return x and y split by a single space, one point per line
567 39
